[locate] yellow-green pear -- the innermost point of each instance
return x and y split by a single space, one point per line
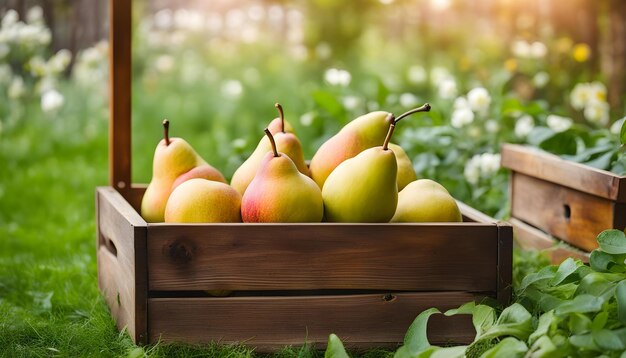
406 173
280 193
364 132
286 143
363 188
203 201
174 162
425 200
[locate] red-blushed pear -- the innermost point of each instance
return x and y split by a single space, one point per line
363 188
280 193
286 143
364 132
406 173
174 162
203 201
426 200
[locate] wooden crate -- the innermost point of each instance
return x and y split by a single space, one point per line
292 283
561 206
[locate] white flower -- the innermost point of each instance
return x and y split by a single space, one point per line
524 125
472 170
232 89
438 74
164 63
521 49
416 74
59 62
616 128
597 111
34 15
17 88
336 77
597 92
351 102
461 117
538 50
489 164
239 143
163 19
479 100
51 101
10 18
492 126
461 103
558 123
408 100
447 89
541 79
307 119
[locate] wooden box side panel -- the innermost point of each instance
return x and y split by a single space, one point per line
269 323
121 244
548 167
411 257
568 214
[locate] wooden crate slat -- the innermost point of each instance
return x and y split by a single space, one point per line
549 167
547 206
269 323
121 245
323 256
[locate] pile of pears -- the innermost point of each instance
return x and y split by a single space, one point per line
358 175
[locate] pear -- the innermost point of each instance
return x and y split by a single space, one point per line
406 173
202 201
286 143
425 200
280 193
363 188
364 132
174 162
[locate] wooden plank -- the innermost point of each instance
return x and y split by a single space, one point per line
420 257
269 323
568 214
135 195
472 215
121 253
120 94
549 167
531 238
505 263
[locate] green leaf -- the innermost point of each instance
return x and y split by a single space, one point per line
602 162
601 261
483 319
599 321
584 341
545 322
544 274
542 348
328 102
612 241
579 323
622 134
607 339
449 352
335 348
514 321
466 308
620 296
583 303
416 339
508 347
565 269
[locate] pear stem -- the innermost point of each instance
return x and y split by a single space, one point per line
166 131
388 138
424 108
282 116
271 137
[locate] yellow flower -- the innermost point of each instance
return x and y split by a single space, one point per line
510 64
581 52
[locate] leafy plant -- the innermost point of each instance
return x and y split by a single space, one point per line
561 311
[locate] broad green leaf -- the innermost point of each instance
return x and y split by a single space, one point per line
483 318
601 261
583 304
466 308
607 339
584 341
545 322
622 134
416 339
449 352
620 296
508 347
579 323
335 348
565 269
515 321
597 284
542 348
612 241
603 161
560 143
599 321
546 273
403 352
541 300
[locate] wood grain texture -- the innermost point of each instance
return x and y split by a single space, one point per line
422 257
570 215
528 237
549 167
120 94
269 323
505 263
121 252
